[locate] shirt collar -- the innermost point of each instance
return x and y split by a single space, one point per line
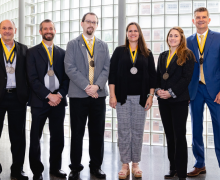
48 46
8 45
86 38
203 33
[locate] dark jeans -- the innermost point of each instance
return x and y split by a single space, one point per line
174 117
94 109
16 126
56 119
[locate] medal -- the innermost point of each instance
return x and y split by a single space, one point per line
12 70
92 63
7 69
133 70
165 76
133 58
201 60
50 72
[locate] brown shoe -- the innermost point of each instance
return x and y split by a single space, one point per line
196 171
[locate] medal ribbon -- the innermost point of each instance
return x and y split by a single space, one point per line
201 49
169 58
9 56
133 57
90 51
48 54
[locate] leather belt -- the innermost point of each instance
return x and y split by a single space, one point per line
10 90
200 82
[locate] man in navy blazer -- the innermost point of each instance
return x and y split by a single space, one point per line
204 86
49 85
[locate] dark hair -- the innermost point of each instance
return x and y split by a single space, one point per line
182 51
201 9
46 21
142 46
90 13
9 20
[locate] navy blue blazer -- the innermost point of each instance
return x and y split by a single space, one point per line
37 66
211 64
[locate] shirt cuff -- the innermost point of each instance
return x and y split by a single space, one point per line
171 93
47 96
155 92
60 94
86 87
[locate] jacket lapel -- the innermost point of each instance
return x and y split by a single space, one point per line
195 46
208 43
43 53
96 49
55 56
84 52
2 63
18 61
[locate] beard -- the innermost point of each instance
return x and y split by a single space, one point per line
48 38
90 31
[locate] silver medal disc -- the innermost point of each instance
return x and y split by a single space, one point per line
133 70
12 70
7 69
50 72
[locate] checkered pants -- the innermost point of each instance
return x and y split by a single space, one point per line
131 119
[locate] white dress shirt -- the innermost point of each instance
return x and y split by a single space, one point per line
204 34
11 80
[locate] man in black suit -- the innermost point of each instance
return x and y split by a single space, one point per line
49 86
13 94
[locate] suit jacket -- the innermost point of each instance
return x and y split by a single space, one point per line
20 73
77 67
179 76
211 64
37 67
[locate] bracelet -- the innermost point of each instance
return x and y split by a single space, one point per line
150 95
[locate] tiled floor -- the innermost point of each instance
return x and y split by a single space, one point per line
154 161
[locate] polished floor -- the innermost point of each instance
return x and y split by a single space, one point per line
154 161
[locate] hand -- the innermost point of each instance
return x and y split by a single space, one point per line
159 92
54 98
59 95
217 99
113 101
91 89
149 103
96 95
164 94
51 103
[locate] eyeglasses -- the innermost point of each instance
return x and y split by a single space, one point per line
91 22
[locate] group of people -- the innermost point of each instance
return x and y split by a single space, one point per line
188 74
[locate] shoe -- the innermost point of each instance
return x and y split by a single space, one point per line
124 172
196 171
170 174
58 173
38 177
182 178
98 173
19 176
136 170
0 168
74 175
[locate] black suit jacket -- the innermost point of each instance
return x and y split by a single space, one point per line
37 67
20 73
179 76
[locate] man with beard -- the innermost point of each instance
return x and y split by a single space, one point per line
87 65
13 95
49 86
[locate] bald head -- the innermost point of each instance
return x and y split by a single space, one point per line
7 30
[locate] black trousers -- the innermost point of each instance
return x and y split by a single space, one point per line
56 116
174 117
16 126
94 109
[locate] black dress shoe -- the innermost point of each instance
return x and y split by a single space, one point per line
58 173
98 173
182 178
0 168
170 174
38 177
74 175
19 176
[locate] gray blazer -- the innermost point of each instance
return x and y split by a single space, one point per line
77 67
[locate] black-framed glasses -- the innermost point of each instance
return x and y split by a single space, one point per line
91 22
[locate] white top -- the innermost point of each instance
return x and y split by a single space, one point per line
11 80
